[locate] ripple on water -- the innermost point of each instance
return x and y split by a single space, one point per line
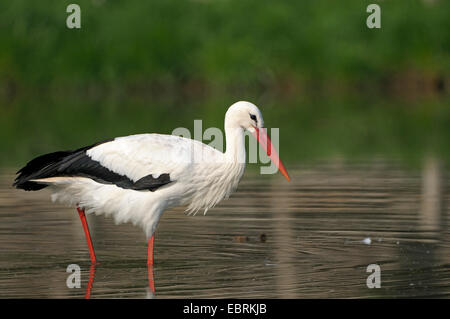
315 230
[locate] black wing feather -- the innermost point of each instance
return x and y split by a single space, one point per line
78 163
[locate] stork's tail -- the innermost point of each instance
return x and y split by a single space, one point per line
40 167
49 165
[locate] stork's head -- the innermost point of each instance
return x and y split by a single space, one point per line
247 116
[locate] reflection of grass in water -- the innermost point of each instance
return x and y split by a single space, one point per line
310 129
355 128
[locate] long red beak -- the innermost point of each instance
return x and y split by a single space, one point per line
265 142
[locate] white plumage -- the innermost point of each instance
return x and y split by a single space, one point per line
201 185
200 176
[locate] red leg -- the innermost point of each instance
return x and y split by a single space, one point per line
88 235
150 251
151 281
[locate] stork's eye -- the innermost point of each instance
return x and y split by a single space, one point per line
253 117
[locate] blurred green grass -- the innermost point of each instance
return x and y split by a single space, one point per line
226 42
334 87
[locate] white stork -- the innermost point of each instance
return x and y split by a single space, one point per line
135 178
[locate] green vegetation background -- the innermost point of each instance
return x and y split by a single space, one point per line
334 87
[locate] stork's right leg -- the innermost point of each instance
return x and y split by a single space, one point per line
150 251
151 281
88 235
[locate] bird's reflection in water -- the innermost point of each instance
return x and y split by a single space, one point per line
91 281
151 282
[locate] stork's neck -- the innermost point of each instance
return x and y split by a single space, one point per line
235 147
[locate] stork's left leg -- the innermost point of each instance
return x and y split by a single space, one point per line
88 235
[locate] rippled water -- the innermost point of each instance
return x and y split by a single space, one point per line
311 238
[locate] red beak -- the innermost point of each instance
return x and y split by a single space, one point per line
265 142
